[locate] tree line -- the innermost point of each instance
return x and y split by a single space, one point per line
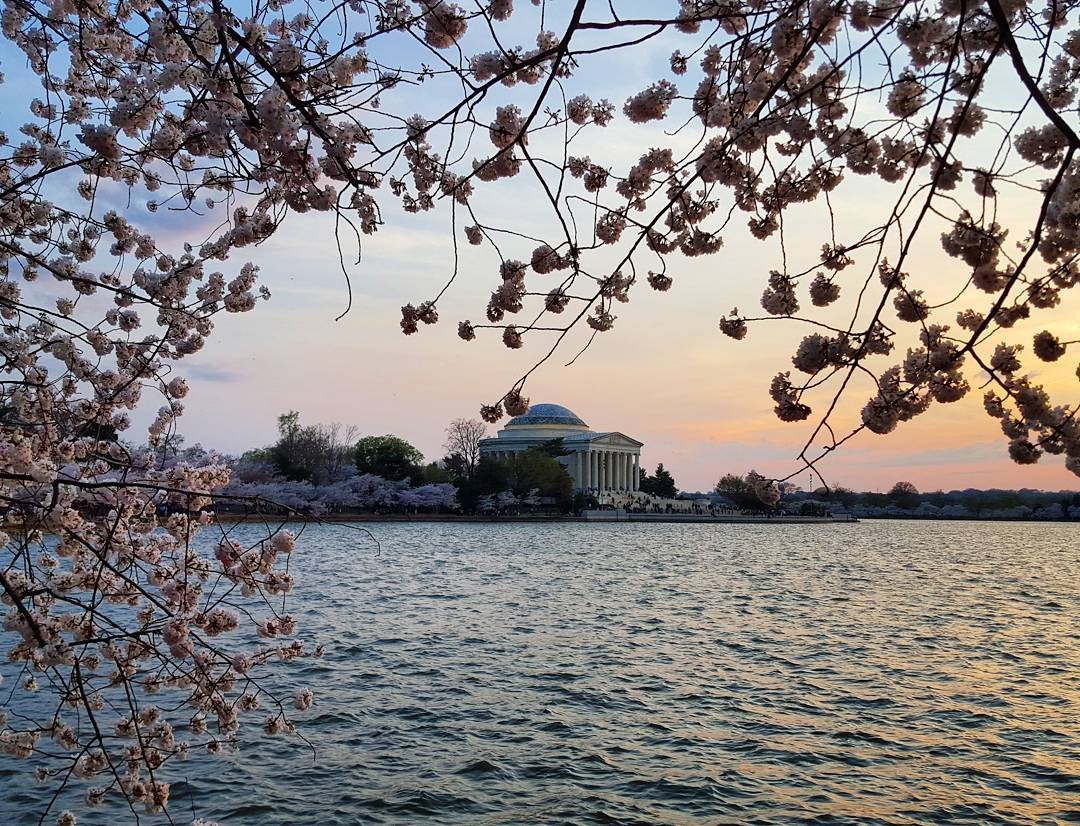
904 499
330 468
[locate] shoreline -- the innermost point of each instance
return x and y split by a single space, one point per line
640 518
623 518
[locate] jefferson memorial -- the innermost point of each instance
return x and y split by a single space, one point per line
598 462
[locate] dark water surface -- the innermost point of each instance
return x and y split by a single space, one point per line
885 672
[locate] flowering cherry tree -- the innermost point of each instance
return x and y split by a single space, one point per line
160 141
961 111
359 492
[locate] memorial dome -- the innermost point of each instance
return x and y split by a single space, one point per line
547 414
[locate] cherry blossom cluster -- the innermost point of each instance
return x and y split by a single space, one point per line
359 492
769 110
156 142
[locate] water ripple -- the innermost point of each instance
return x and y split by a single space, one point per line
888 673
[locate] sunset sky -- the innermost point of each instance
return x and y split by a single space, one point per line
664 375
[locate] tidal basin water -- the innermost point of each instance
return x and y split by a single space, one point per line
884 672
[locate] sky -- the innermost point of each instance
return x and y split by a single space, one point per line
665 375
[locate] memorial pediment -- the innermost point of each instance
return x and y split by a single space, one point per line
615 440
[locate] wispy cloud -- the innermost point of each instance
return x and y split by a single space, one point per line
211 373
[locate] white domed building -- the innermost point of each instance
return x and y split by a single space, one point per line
599 462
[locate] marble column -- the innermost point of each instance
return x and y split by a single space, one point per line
620 471
605 476
626 472
586 480
636 478
594 476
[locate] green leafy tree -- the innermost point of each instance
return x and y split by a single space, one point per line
661 483
490 476
534 469
390 457
583 501
525 472
432 474
457 466
739 490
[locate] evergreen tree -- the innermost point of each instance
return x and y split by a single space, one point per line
661 483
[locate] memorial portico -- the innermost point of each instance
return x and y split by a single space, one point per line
598 462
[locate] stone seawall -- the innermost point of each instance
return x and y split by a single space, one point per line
626 516
594 517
